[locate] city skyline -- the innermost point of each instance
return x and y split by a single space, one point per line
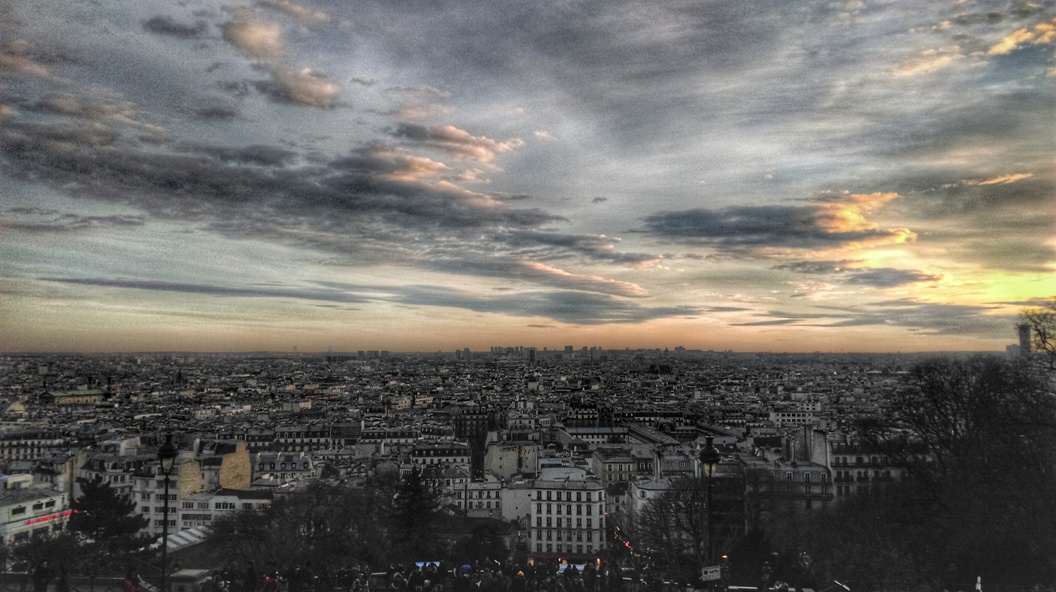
818 176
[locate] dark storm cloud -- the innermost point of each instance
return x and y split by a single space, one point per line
850 272
213 290
886 277
165 25
562 306
933 318
761 226
596 247
47 220
376 205
818 267
913 315
258 154
459 143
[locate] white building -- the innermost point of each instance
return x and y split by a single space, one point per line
567 517
26 509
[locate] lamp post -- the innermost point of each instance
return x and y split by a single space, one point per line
709 459
167 457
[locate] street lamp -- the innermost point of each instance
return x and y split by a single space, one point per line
709 459
167 457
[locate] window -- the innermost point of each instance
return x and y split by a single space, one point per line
18 511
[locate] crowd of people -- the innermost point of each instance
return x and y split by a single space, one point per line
442 576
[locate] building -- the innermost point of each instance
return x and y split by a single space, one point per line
440 452
27 509
30 444
567 517
200 509
77 397
506 459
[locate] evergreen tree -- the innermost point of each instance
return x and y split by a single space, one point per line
108 521
416 507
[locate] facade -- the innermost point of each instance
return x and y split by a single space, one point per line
283 466
436 453
858 469
26 510
506 459
77 397
566 519
614 464
30 444
200 509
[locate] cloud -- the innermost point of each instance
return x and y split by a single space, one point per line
164 25
252 37
830 221
598 247
852 272
457 142
933 318
31 219
588 282
916 316
328 295
15 59
299 87
886 277
929 61
562 306
297 11
1040 34
1002 180
379 204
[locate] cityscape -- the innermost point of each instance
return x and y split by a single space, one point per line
557 296
509 446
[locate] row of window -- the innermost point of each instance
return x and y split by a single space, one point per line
480 494
569 535
568 509
36 507
282 466
556 496
567 522
562 548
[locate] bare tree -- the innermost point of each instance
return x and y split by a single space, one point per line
1042 323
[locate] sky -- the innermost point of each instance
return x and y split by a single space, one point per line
863 175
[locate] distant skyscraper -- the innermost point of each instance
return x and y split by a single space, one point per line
1024 338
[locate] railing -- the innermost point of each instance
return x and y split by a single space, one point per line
23 582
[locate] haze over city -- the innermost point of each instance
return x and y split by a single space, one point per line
756 176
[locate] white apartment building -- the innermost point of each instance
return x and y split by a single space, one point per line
567 517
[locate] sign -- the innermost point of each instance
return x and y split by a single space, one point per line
711 573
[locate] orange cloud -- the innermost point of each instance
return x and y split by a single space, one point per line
588 282
255 38
1003 179
1039 34
849 216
